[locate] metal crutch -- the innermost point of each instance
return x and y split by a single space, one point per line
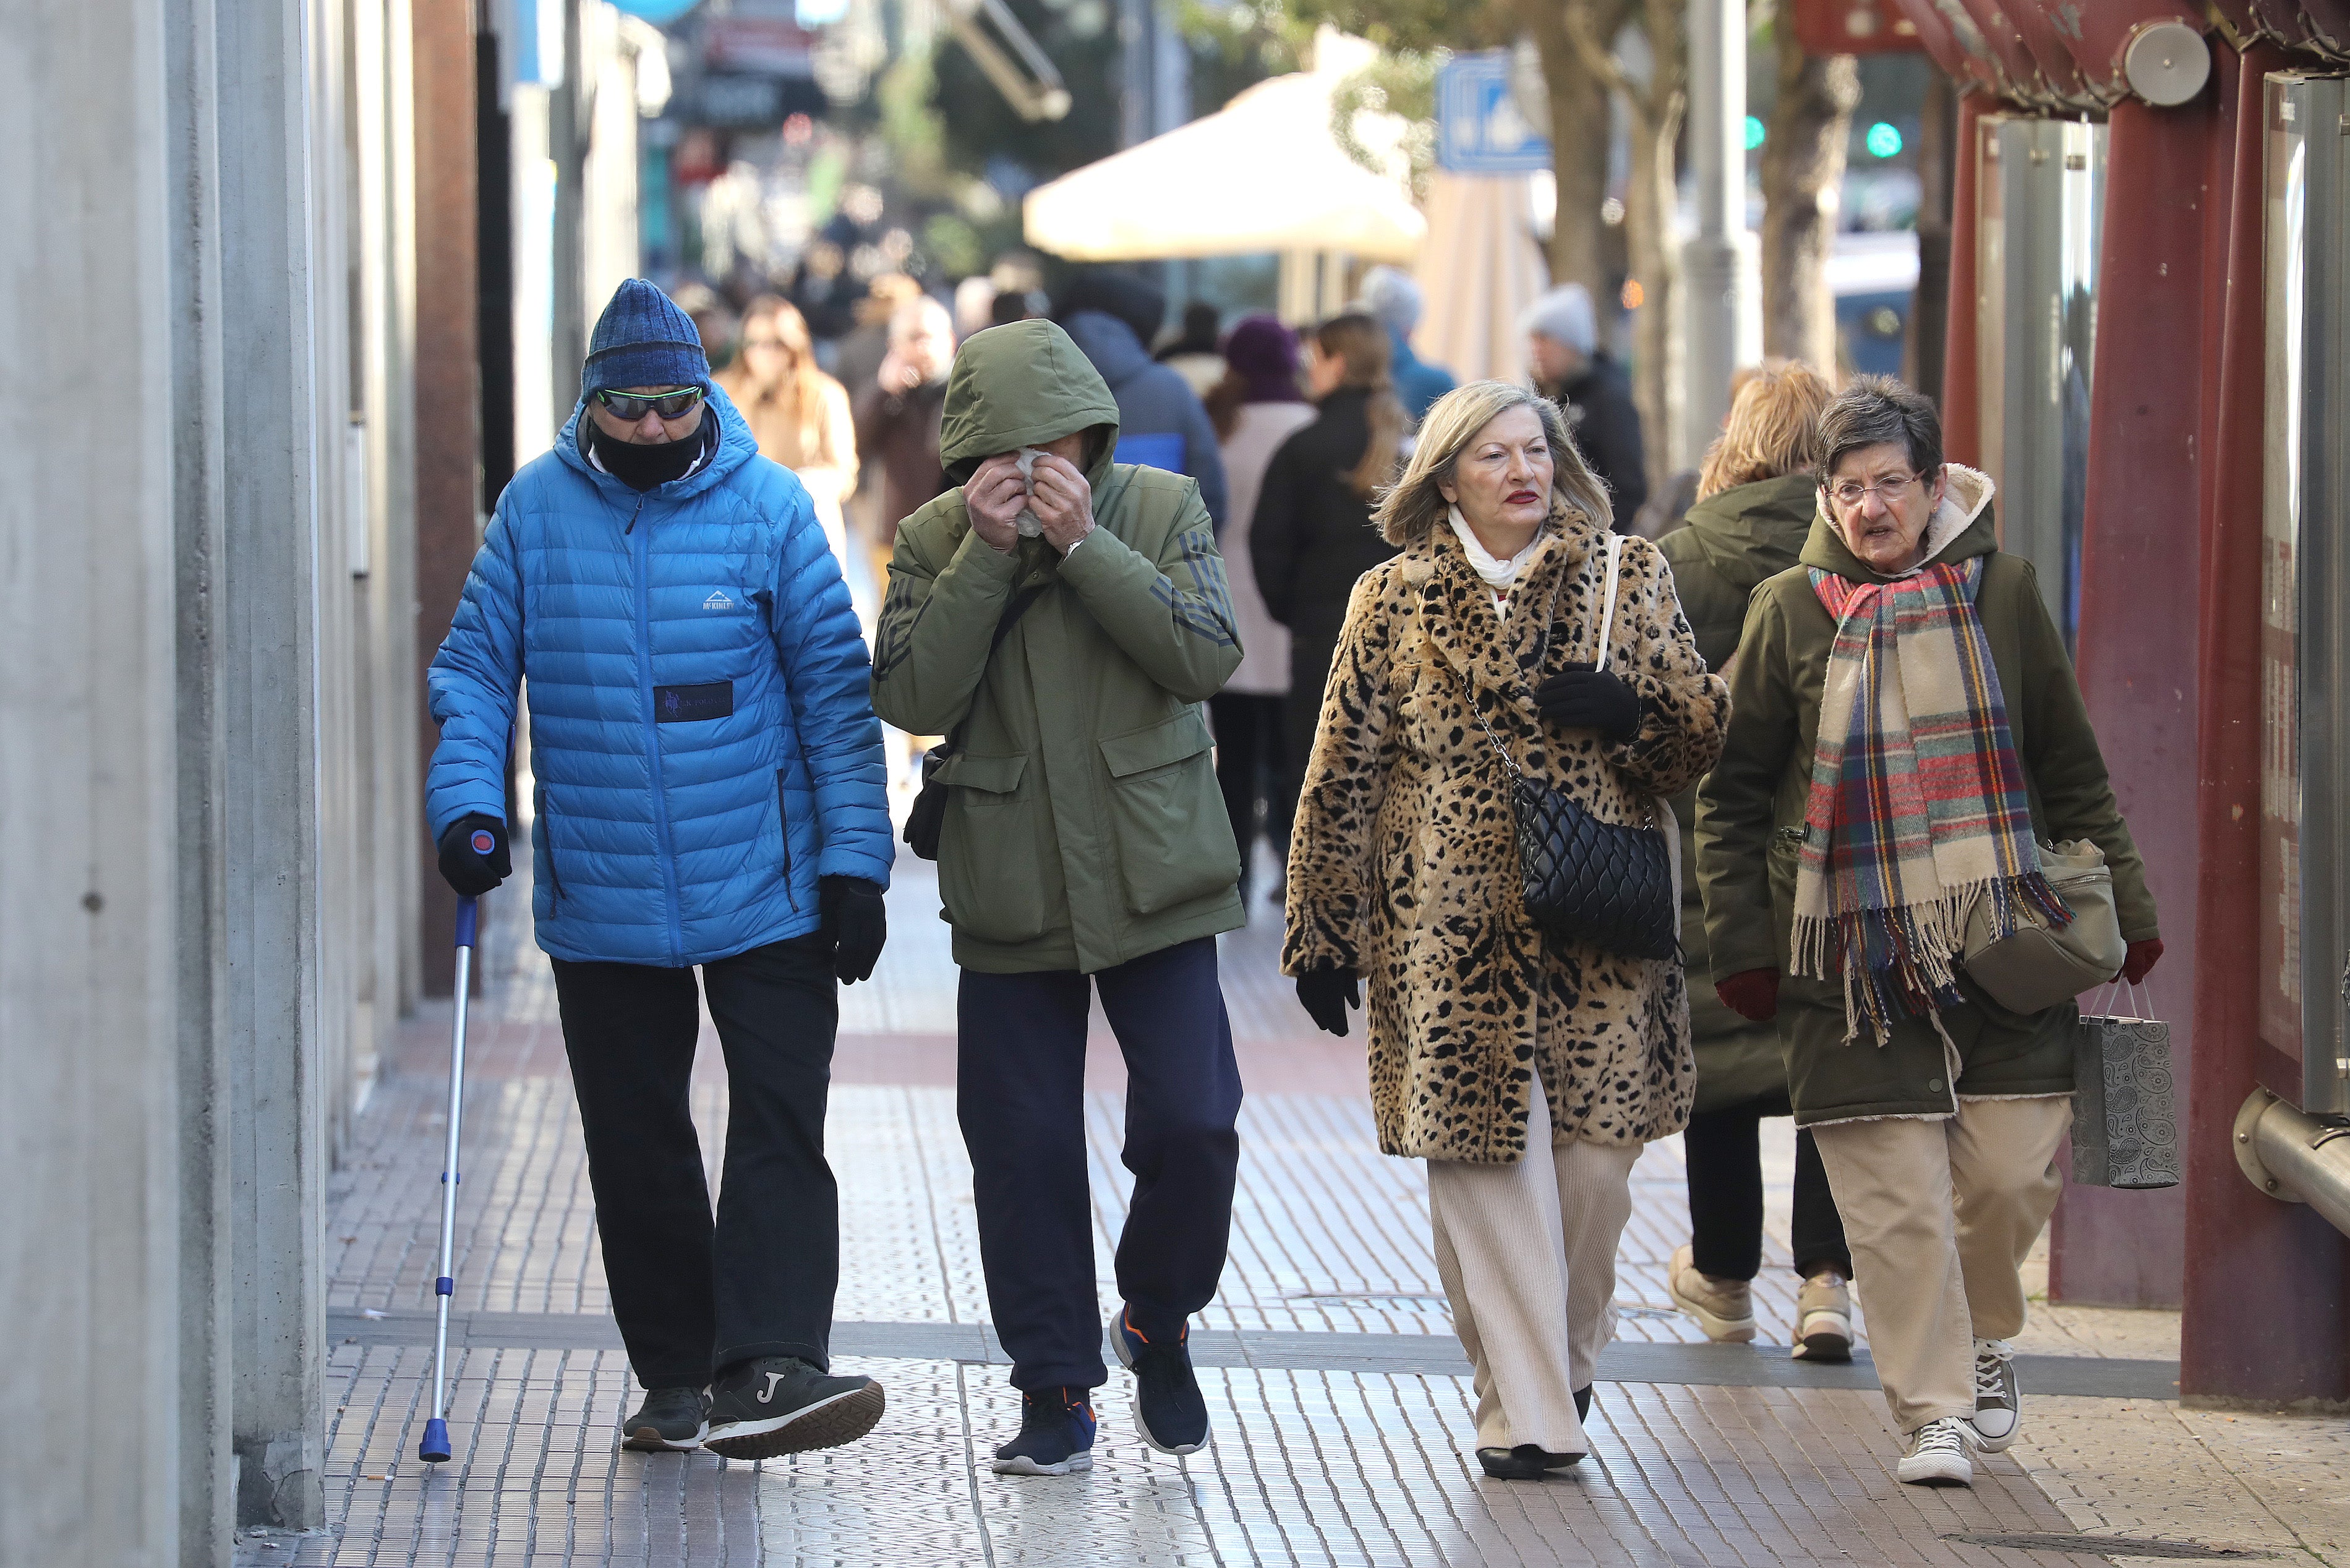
434 1449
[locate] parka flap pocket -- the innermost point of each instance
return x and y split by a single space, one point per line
996 775
1169 741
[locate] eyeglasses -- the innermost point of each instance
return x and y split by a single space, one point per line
763 343
632 407
1851 494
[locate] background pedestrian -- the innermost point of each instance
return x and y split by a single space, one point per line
1257 405
1312 535
1390 294
1757 487
797 415
1591 390
1113 318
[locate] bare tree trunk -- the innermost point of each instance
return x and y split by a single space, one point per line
1659 380
1578 137
1658 384
1802 172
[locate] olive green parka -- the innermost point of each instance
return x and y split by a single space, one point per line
1731 541
1084 826
1750 825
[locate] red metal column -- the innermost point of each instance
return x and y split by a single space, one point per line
1960 390
2137 669
2268 1283
448 388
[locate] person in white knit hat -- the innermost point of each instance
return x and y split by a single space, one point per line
1591 390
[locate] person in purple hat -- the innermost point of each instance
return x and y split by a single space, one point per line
1257 405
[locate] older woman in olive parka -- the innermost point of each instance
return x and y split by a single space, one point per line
1833 861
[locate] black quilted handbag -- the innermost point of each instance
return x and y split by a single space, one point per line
1602 884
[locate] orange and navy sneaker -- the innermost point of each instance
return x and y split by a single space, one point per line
1169 1413
1057 1434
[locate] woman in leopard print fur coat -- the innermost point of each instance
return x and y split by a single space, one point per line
1487 1037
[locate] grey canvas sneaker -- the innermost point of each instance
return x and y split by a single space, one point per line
1999 1397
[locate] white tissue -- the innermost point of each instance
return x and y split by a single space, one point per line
1027 521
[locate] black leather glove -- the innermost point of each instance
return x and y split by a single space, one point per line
856 922
1325 994
474 855
1583 697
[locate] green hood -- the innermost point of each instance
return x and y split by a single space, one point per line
1018 385
1750 532
1962 524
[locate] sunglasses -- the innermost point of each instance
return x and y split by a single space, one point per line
631 407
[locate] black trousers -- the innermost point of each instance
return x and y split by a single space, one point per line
1253 768
1724 1152
694 1297
1021 1081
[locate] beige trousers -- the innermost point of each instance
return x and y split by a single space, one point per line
1940 1215
1527 1255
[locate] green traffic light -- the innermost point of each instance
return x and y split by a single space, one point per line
1884 141
1753 133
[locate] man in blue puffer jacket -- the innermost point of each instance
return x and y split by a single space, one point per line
709 792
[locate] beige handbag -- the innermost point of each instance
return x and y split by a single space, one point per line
2038 966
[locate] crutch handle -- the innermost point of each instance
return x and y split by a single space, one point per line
469 920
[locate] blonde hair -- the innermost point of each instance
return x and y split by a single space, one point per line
1360 343
801 388
1774 428
1411 507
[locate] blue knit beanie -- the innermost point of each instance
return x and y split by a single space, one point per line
643 339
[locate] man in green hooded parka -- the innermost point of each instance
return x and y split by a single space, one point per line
1061 619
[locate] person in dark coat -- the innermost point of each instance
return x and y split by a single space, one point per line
1757 494
897 416
1591 391
1112 317
1312 535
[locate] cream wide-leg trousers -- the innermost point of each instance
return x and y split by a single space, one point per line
1527 1255
1940 1215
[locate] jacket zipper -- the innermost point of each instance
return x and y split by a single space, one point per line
642 554
783 815
545 824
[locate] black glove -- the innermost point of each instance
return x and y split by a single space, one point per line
856 922
474 855
1583 697
1325 994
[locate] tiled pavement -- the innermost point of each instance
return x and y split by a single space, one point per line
1336 1442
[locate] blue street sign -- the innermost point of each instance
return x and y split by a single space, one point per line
1480 128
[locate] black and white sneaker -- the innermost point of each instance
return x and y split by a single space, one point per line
780 1405
1999 1396
671 1420
1169 1413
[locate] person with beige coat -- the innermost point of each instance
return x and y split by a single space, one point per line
1528 1071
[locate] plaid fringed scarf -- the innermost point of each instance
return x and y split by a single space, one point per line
1918 801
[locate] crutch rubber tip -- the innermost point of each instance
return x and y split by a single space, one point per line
435 1450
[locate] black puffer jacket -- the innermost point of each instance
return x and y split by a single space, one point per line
1310 539
1607 428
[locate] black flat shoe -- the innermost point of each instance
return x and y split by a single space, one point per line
1583 1403
1525 1462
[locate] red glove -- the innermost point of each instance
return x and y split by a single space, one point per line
1753 994
2141 960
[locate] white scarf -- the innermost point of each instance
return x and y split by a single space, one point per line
1495 573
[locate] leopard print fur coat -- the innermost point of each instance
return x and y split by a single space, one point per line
1403 863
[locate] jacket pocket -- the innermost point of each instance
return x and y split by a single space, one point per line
783 823
541 827
991 862
1174 842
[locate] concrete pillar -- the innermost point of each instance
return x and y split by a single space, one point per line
199 505
90 1048
266 597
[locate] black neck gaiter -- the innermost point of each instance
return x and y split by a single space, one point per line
642 467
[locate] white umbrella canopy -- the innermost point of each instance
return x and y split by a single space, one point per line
1262 175
1479 269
